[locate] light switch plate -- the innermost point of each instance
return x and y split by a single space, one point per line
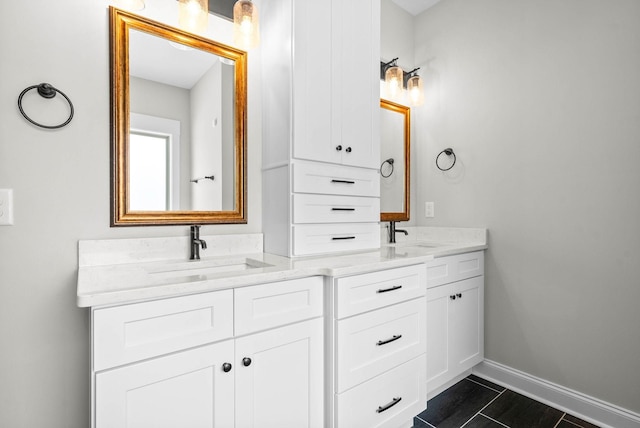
6 207
429 210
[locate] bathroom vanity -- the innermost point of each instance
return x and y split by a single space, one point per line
247 339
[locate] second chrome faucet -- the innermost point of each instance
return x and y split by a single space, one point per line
196 243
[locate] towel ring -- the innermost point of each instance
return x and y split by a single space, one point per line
46 91
448 152
390 162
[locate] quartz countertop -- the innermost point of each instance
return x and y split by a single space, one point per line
120 281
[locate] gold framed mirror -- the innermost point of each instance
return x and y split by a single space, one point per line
178 126
395 150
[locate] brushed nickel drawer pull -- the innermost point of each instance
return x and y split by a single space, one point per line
393 339
386 290
390 405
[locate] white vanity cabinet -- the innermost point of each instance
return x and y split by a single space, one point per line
455 317
320 126
250 357
379 345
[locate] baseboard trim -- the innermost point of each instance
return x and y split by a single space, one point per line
576 403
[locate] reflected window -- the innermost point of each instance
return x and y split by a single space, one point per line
150 171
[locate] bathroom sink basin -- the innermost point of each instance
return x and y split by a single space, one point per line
422 244
212 267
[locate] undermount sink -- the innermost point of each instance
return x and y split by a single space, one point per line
421 244
207 267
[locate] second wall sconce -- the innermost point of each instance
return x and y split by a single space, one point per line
193 15
246 26
397 79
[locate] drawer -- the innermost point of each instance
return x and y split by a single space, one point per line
448 269
372 343
335 209
314 177
390 400
128 333
361 293
329 238
265 306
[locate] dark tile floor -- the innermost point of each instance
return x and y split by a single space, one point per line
477 403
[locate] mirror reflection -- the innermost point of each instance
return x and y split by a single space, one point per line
395 158
179 122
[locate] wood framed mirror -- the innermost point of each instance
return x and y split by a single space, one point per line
178 126
395 150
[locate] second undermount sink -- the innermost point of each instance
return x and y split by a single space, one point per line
210 267
421 244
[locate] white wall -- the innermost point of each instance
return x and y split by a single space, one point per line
541 102
61 191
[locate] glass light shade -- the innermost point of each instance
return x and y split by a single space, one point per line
246 25
194 15
416 91
130 4
393 80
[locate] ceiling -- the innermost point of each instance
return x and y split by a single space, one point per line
415 7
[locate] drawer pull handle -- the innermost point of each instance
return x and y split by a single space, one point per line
386 290
343 209
342 238
393 339
390 405
226 367
343 181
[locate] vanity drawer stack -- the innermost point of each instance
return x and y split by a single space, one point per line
379 348
239 357
335 208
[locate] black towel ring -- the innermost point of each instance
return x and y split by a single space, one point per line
390 162
46 91
448 152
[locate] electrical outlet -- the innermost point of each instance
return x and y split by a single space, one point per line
6 207
429 210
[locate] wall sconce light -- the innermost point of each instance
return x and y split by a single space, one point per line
246 25
393 77
193 15
397 79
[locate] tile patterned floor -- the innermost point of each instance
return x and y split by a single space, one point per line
477 403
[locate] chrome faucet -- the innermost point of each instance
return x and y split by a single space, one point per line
196 243
393 231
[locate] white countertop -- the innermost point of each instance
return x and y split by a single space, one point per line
143 279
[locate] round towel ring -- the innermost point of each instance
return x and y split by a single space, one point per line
46 91
390 162
448 152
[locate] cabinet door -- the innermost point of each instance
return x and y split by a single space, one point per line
356 81
467 324
186 389
312 82
282 384
438 335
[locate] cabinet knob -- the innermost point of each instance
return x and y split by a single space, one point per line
452 297
226 367
339 148
246 361
348 150
459 295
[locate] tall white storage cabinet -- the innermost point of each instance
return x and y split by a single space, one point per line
320 63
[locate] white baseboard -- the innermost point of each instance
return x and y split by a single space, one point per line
573 402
